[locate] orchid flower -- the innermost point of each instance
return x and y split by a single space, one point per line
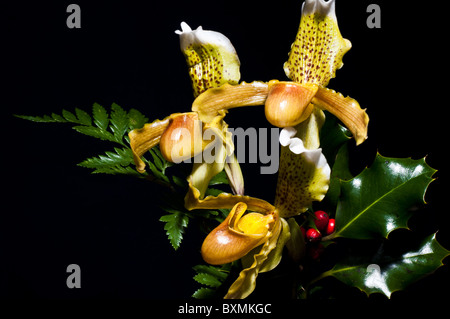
297 106
212 61
256 231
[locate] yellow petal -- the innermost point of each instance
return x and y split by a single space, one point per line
304 174
216 100
203 172
274 257
217 144
234 174
246 282
217 130
319 47
224 200
288 103
254 223
211 58
228 242
346 109
141 140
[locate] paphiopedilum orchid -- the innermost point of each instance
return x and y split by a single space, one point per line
255 230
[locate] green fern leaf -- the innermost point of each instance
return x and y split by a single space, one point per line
210 276
69 116
216 272
119 122
207 280
53 118
175 224
136 119
83 117
118 170
121 157
204 293
95 132
101 118
106 127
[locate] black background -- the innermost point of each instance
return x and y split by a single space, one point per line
55 213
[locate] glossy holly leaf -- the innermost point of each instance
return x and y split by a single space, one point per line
339 172
332 137
334 143
378 200
385 274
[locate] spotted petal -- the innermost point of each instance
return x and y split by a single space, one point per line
319 47
211 58
304 173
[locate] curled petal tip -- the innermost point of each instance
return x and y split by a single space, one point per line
345 109
319 6
184 28
286 134
211 58
143 139
287 138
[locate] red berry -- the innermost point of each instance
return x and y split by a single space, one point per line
331 225
313 235
321 220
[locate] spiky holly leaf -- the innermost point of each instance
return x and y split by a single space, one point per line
379 273
378 200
